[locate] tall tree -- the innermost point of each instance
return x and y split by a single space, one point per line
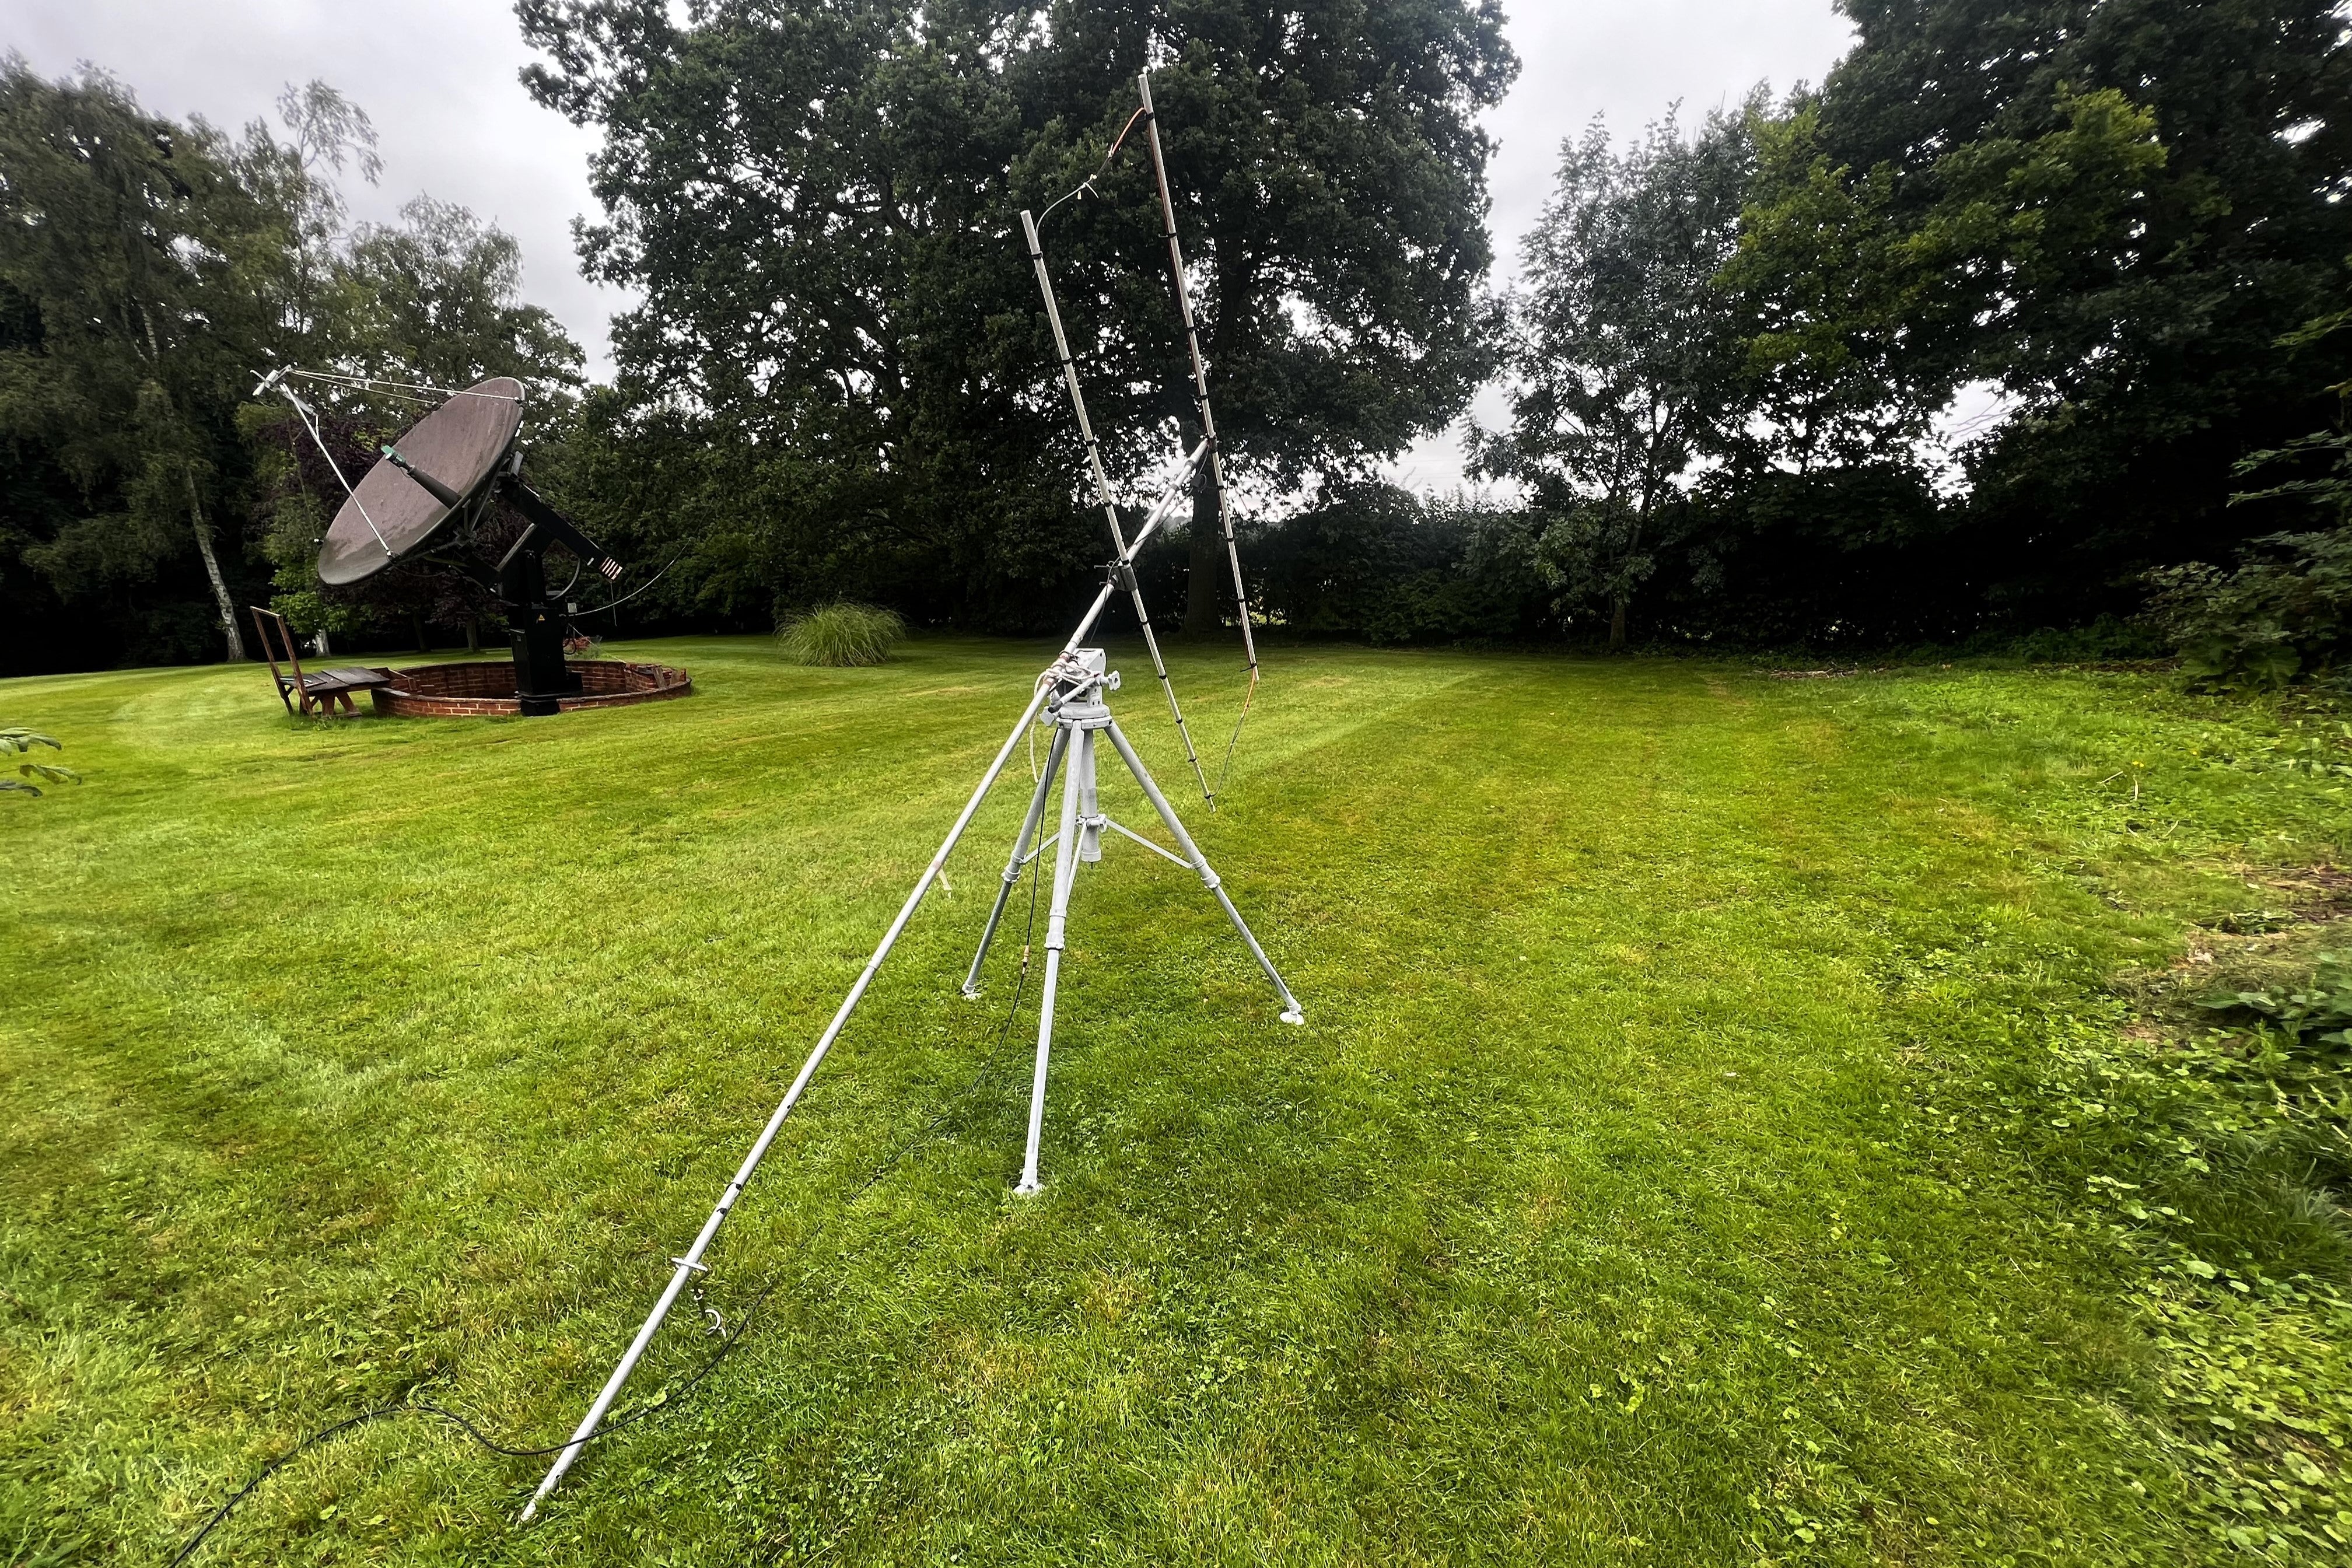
437 298
330 135
2110 209
1627 356
1822 279
812 202
142 272
818 205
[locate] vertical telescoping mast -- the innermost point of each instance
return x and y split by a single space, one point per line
1124 570
1199 369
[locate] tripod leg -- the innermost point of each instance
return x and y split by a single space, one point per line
1090 817
1291 1014
1065 871
1019 854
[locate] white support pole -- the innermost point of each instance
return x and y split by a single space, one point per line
691 1263
1070 381
1065 870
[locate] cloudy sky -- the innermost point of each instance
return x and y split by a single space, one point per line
438 78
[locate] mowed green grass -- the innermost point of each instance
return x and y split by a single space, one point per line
1595 1215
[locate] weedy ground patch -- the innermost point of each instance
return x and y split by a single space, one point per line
1737 1120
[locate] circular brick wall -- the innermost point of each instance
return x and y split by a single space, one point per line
488 687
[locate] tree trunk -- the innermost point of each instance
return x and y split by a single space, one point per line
1624 593
326 648
423 644
1208 542
213 571
473 632
1236 278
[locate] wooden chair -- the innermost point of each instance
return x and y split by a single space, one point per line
320 690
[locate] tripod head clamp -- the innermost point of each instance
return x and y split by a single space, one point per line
1080 679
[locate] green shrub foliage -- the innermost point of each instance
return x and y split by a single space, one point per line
2283 614
2316 1014
2286 611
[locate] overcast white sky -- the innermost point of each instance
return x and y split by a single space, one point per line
438 78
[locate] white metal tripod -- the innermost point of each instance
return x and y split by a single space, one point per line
1076 709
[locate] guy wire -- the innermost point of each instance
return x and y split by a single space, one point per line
340 379
1248 697
1034 775
600 609
668 1396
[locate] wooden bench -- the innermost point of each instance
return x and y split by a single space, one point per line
313 692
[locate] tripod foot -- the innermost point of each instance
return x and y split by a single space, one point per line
1028 1188
971 993
1294 1017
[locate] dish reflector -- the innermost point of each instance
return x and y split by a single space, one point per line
390 515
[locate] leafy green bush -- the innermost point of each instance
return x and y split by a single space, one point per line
1375 561
2285 612
2319 1014
841 635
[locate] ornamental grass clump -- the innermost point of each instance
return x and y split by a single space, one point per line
841 635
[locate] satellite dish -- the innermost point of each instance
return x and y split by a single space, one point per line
461 444
459 459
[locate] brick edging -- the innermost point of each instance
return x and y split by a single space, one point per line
484 689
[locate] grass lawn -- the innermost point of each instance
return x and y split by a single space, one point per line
1737 1119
